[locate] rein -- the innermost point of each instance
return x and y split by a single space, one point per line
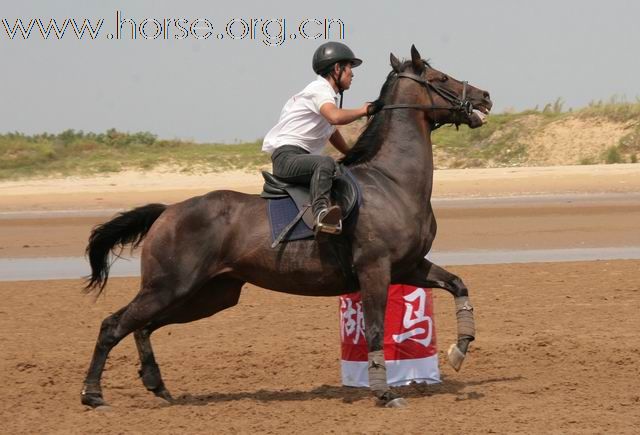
460 105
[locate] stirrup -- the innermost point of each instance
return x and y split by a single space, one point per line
329 221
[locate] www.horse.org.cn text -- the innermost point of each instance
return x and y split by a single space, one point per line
271 32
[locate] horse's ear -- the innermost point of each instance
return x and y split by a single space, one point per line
395 63
416 60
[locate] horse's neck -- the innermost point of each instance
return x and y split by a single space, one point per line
406 154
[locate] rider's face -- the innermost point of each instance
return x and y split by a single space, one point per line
347 77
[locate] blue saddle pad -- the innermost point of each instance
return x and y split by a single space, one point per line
281 213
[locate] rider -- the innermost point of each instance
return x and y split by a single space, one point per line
307 120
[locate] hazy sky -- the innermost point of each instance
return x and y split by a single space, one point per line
524 53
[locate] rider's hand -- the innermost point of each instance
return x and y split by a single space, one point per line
374 107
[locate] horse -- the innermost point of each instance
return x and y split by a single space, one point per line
197 254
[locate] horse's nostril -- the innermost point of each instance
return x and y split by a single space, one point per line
486 95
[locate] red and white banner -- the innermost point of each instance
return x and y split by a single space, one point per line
409 338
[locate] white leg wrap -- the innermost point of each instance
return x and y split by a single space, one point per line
464 316
377 372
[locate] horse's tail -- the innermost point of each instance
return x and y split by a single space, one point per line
128 227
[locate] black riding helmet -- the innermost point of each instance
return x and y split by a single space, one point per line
330 53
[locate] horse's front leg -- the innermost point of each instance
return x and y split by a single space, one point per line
374 281
431 275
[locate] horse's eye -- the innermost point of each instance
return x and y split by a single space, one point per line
444 78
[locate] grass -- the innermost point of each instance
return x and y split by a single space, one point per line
78 153
501 142
616 110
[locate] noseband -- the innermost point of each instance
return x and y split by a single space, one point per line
461 105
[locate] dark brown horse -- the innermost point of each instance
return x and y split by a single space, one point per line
198 253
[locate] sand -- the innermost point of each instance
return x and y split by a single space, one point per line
557 347
132 188
556 352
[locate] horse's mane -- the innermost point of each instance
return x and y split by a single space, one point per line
370 140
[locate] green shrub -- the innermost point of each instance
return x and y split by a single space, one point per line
612 155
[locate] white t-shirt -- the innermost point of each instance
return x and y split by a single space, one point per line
301 123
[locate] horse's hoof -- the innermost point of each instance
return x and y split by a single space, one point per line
397 403
390 399
93 400
455 356
163 394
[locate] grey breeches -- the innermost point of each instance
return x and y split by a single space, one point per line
295 165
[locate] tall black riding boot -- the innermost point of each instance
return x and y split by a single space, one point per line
328 219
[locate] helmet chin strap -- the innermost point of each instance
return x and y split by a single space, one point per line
337 80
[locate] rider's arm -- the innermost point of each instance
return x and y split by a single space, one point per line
336 116
338 142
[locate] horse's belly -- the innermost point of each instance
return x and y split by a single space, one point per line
295 269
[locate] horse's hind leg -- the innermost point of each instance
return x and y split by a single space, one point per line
431 275
147 304
217 295
91 390
149 371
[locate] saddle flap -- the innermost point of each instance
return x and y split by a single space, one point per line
344 193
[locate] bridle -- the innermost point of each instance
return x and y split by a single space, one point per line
459 105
